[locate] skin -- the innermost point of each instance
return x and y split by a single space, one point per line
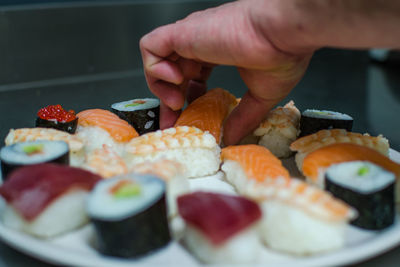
269 41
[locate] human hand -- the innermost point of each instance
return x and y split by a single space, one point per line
178 58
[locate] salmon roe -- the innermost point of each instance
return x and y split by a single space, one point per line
56 112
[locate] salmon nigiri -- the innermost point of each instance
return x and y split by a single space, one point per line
98 127
312 142
119 129
317 162
208 112
246 164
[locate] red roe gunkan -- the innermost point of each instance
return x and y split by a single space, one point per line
55 116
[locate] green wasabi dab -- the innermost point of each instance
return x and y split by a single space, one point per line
33 149
127 190
363 170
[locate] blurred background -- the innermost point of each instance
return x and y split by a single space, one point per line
85 54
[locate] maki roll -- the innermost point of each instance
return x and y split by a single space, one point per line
54 116
366 187
129 215
312 121
46 200
143 114
32 152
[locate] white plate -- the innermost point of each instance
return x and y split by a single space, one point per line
74 249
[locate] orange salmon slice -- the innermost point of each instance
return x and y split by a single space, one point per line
119 129
208 112
338 153
257 161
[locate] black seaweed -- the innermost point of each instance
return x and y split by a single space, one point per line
376 211
310 125
136 235
139 118
69 127
7 167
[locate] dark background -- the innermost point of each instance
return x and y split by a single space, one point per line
85 54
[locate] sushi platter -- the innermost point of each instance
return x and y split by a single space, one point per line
109 188
76 249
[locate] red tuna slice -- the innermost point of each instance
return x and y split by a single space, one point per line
218 216
32 188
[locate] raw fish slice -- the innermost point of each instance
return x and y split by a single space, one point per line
316 162
194 149
305 197
279 129
257 161
119 129
218 216
33 134
31 189
105 162
312 142
46 200
208 112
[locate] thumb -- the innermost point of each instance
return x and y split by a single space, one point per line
246 117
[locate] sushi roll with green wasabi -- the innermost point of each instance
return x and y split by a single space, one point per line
32 152
366 187
129 215
312 121
143 114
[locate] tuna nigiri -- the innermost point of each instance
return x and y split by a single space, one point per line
98 127
316 163
246 164
46 200
312 142
208 112
220 228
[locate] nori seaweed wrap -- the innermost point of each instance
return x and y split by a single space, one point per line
129 215
143 114
32 152
312 121
54 116
366 187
